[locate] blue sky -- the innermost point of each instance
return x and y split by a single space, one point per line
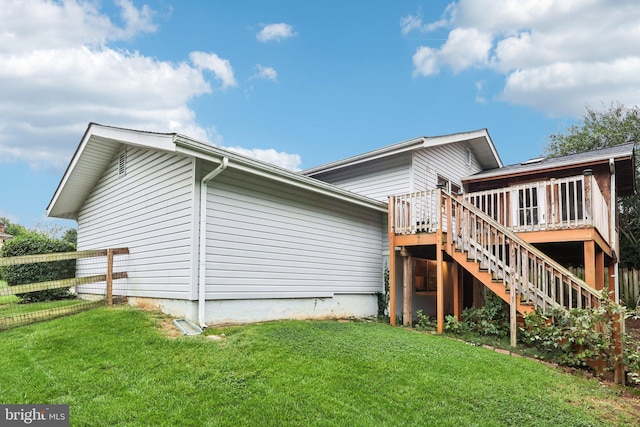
300 83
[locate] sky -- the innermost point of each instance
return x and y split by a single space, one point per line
300 83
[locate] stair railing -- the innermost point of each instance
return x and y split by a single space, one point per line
535 277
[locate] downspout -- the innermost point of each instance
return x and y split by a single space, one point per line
202 262
614 227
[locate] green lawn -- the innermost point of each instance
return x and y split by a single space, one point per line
7 299
116 367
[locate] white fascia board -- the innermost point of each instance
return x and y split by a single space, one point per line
135 138
74 161
391 150
213 154
409 145
125 136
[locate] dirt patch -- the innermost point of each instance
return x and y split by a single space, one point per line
168 329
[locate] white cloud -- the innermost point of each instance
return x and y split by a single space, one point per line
221 68
59 73
410 23
465 47
266 73
279 158
425 61
556 55
275 32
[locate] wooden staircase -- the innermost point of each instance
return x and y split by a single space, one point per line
504 262
513 269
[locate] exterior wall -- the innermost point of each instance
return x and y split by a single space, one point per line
405 173
448 161
266 240
149 210
377 179
259 310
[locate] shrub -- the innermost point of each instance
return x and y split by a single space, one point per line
424 322
383 298
32 243
492 319
576 336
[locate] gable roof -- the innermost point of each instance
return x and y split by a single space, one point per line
478 141
623 155
100 144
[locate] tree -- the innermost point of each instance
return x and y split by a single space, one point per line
13 229
608 127
71 235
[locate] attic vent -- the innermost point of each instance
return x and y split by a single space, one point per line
122 163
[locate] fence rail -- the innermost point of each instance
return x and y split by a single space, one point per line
92 286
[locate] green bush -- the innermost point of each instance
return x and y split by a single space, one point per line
576 336
492 319
32 243
424 322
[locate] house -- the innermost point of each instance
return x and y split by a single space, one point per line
3 235
218 237
413 167
460 222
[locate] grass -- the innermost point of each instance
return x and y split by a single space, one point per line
117 367
7 299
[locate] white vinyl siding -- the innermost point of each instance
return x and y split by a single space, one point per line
148 210
449 161
268 240
377 179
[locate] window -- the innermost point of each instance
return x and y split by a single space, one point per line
448 185
528 206
122 163
571 200
425 275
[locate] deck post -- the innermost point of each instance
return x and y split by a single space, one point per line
439 269
457 291
392 260
513 293
590 263
407 287
599 269
618 340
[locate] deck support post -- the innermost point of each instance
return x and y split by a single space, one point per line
407 287
392 260
457 291
599 269
513 294
590 263
439 269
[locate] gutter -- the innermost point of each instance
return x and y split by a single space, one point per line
202 266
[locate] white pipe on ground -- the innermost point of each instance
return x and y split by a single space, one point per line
202 262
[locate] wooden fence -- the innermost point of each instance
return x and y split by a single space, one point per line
91 284
628 283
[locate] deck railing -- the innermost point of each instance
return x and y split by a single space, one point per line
535 277
556 204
